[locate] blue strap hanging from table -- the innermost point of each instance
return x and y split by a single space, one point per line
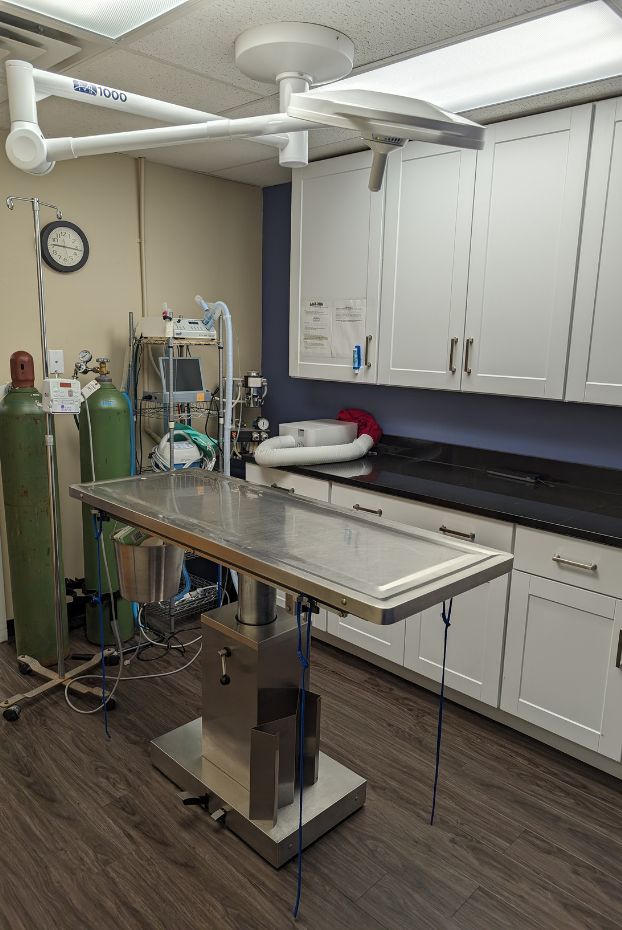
304 657
446 617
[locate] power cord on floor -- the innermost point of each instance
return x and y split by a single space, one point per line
304 657
446 618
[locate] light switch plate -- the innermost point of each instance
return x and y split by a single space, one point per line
56 361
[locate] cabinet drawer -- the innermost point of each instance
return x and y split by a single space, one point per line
297 484
386 641
491 533
578 562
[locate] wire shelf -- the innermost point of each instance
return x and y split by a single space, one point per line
201 597
150 410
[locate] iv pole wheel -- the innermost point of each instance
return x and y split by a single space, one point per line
24 668
321 53
12 713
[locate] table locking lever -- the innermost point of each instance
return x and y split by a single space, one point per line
224 655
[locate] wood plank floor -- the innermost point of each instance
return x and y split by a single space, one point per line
91 836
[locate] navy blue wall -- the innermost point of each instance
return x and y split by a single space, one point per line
550 429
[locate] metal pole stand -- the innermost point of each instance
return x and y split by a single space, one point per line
239 760
11 706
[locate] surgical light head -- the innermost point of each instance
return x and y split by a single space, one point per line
386 122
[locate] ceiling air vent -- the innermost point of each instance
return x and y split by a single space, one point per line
30 41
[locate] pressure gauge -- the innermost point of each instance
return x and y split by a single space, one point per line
262 423
85 356
64 246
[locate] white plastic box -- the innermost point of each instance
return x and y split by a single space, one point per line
319 432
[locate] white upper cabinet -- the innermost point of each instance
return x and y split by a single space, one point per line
525 235
595 365
336 255
425 266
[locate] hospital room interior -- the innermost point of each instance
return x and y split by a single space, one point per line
311 465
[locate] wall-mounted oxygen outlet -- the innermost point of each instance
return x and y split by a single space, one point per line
56 361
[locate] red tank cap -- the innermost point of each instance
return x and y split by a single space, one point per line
22 369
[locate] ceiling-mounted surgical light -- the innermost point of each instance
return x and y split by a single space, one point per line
386 122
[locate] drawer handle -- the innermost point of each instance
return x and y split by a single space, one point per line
367 344
588 566
452 352
277 487
467 352
367 509
619 653
445 529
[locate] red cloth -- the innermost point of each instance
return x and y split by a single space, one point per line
364 420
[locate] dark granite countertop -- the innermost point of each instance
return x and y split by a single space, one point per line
562 497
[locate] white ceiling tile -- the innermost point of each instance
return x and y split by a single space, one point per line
379 29
261 174
569 96
142 75
209 157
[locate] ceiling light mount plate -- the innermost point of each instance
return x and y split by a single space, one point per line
265 52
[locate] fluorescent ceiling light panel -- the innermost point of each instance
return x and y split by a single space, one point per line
109 18
573 46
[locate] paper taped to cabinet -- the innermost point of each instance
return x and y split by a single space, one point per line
332 328
316 328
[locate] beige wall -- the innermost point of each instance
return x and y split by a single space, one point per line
203 235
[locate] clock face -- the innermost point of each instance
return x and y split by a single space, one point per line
64 246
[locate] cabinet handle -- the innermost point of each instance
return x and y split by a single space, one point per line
368 340
277 487
445 529
588 566
452 351
367 509
619 652
468 343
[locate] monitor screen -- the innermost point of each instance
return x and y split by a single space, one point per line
187 374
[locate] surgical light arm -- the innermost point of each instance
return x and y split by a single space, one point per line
385 122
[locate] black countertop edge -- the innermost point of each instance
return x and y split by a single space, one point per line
559 497
507 516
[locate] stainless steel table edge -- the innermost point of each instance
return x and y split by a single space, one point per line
347 601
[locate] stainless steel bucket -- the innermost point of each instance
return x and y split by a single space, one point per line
149 568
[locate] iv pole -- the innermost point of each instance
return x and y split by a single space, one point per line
60 676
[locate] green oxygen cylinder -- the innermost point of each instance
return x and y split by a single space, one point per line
27 511
109 431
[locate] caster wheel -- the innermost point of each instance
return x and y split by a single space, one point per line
111 660
24 668
12 713
111 704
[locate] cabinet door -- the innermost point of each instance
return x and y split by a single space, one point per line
385 641
594 371
474 644
526 222
425 266
560 669
336 255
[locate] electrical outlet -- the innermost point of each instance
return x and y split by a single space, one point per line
56 361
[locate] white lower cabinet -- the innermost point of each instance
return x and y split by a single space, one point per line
385 641
474 643
561 669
